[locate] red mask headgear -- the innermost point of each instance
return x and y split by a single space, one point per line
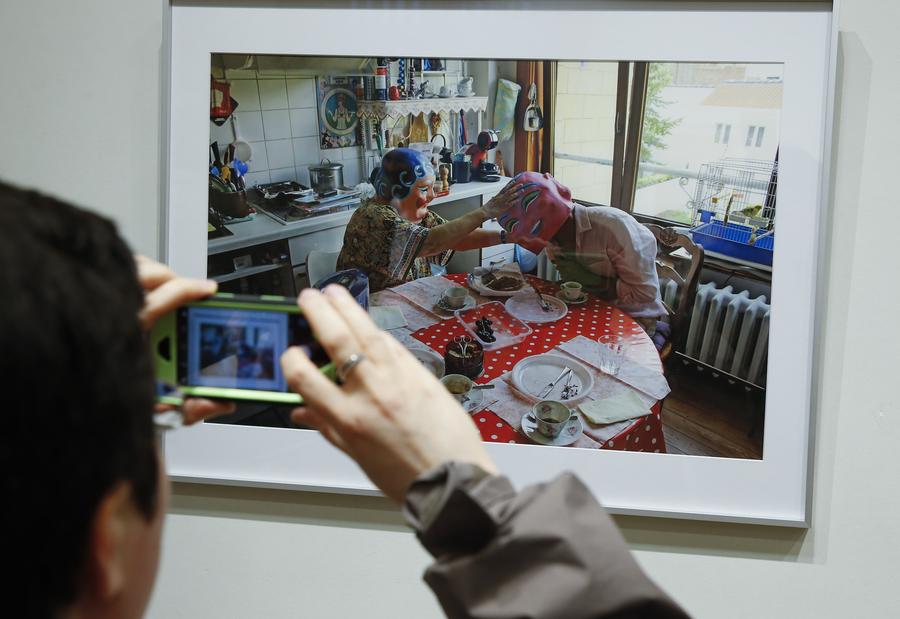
539 214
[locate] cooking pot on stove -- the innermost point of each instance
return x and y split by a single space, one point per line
326 176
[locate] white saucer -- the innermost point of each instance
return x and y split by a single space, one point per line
583 298
468 304
475 398
430 359
570 433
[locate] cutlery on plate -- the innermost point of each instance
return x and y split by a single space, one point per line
544 305
546 390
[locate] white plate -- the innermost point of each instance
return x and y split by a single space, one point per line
475 283
577 301
430 359
526 307
532 375
468 304
570 433
474 400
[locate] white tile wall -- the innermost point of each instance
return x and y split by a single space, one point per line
301 93
283 174
278 116
250 126
246 94
277 124
306 150
352 171
255 178
280 153
259 162
273 94
304 122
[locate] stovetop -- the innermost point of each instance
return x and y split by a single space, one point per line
287 212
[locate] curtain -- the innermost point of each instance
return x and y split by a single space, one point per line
534 149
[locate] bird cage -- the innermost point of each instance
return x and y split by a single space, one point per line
740 191
733 210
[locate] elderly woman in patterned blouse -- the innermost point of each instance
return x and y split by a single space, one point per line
394 238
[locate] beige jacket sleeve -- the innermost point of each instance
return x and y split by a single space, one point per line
548 551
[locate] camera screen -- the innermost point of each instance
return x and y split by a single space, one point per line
239 348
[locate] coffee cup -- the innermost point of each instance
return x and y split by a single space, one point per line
445 91
454 297
571 291
551 417
458 385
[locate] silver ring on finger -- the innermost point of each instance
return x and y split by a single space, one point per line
347 366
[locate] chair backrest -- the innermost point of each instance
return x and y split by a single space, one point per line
681 270
320 264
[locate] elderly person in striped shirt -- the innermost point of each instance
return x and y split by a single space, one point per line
604 248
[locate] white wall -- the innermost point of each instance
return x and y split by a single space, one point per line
80 83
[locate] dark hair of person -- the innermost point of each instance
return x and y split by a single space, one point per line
78 392
400 169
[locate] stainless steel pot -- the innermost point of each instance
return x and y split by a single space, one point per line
326 176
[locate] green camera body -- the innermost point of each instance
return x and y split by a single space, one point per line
176 333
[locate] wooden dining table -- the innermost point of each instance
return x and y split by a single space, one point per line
589 319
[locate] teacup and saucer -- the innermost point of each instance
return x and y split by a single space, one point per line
462 388
552 423
571 293
455 298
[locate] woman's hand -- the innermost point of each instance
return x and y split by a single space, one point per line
163 292
391 415
503 201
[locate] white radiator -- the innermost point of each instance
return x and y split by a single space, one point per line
728 330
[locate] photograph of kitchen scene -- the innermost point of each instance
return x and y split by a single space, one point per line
581 251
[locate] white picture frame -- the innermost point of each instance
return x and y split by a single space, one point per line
774 490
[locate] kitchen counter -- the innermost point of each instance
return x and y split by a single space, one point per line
264 229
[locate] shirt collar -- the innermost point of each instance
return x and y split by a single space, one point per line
582 224
582 219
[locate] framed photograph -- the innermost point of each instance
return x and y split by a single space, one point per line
338 117
709 126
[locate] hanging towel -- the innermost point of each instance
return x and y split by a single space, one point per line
505 108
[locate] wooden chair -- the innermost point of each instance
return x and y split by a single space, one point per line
684 271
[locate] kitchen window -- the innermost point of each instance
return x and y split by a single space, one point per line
760 131
723 133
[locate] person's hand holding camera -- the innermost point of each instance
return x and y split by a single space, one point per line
163 292
390 415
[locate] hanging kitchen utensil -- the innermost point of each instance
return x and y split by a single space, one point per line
242 148
400 142
419 130
217 158
221 105
534 117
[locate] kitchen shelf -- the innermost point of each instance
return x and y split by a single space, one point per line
379 110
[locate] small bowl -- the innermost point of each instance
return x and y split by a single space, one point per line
458 385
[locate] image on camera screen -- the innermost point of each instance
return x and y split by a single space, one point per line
236 348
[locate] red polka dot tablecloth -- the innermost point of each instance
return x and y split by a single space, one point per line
590 319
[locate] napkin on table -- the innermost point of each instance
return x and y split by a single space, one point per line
387 317
620 407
